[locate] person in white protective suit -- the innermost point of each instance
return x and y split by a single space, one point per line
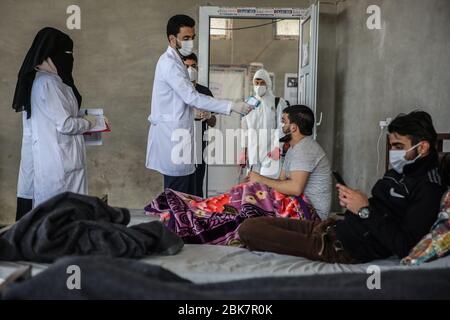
53 155
263 129
170 147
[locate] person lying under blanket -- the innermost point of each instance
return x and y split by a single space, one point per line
303 192
402 209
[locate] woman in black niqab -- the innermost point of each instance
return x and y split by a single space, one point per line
48 43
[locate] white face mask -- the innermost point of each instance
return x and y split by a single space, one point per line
193 74
397 158
260 90
187 46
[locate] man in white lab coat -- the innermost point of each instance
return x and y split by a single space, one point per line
170 148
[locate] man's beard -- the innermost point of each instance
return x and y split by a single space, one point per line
286 138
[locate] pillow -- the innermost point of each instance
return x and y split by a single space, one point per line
435 244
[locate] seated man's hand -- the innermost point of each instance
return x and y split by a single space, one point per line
353 200
254 177
275 154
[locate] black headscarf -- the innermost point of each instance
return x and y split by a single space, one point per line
49 42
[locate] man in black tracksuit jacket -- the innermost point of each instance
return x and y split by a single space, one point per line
402 209
404 203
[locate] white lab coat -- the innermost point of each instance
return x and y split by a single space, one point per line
172 98
26 172
54 155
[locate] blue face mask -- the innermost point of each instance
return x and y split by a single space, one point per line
398 161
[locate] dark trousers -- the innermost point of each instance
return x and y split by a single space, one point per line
199 177
23 207
185 184
315 240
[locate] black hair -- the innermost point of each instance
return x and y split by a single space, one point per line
302 116
178 21
192 56
417 125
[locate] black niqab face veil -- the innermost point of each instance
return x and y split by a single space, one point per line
48 43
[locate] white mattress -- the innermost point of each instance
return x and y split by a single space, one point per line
207 263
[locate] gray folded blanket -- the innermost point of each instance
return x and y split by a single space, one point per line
73 224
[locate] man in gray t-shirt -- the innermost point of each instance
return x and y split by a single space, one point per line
308 156
306 169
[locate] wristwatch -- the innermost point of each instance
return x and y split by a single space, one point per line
364 212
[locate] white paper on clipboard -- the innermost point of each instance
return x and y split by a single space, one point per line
93 139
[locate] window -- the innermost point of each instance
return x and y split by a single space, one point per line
218 29
287 29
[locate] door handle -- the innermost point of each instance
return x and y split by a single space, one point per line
320 120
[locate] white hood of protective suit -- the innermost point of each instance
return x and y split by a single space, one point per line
263 117
264 75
